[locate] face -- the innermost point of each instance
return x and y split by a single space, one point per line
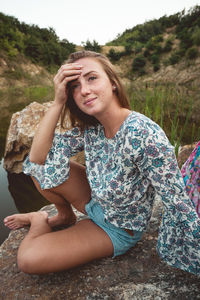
92 91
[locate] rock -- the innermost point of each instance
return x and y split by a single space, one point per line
21 132
184 153
139 274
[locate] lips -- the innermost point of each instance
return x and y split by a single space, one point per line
89 101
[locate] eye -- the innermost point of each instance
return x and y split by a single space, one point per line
91 78
74 86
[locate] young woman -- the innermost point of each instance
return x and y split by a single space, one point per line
129 161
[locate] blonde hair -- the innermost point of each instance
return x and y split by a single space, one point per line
79 118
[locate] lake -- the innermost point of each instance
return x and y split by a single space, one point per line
7 204
18 194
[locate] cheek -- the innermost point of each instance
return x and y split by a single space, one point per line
76 96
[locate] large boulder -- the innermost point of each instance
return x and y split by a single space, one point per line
21 132
139 274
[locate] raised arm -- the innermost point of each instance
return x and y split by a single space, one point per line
44 135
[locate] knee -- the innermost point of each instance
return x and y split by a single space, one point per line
28 264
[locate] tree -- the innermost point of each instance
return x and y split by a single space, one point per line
192 53
92 46
138 63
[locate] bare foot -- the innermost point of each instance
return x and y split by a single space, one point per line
20 220
62 220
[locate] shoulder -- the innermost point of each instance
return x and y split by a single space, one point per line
142 133
140 125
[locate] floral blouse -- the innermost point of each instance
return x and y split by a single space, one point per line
125 174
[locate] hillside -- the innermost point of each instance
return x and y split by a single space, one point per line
157 43
40 45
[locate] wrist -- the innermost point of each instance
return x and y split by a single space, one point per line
57 104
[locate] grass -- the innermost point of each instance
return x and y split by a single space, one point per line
171 108
14 99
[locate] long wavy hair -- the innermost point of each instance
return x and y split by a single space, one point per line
78 117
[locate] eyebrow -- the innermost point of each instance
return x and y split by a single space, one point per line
86 74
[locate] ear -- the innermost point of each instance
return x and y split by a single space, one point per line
114 87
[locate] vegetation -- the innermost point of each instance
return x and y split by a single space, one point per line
92 46
169 107
178 34
15 99
40 45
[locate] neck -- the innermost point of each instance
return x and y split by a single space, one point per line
113 119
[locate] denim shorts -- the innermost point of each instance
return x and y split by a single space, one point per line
122 241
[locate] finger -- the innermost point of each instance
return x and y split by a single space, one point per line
70 78
67 73
69 67
66 77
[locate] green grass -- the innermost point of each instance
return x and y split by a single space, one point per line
171 108
14 99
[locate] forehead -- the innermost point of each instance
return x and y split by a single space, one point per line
90 64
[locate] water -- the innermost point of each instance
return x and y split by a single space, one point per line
17 194
7 205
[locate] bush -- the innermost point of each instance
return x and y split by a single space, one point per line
155 59
192 53
196 36
158 49
146 53
174 58
128 49
92 46
138 49
114 55
138 63
142 72
156 67
168 46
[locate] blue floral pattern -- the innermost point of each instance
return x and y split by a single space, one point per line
125 174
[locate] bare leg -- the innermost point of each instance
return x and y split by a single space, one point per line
43 251
75 190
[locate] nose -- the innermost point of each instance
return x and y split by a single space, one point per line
85 90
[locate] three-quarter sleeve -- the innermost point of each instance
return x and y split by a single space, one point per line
179 232
156 161
55 170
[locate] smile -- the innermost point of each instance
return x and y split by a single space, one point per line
89 101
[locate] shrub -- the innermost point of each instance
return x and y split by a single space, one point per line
155 59
92 46
168 46
174 58
138 63
150 45
156 67
142 72
196 36
158 49
128 49
192 53
138 49
146 53
114 55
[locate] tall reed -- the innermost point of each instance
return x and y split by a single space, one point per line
170 107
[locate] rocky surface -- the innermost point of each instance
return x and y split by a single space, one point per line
184 153
139 274
21 132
